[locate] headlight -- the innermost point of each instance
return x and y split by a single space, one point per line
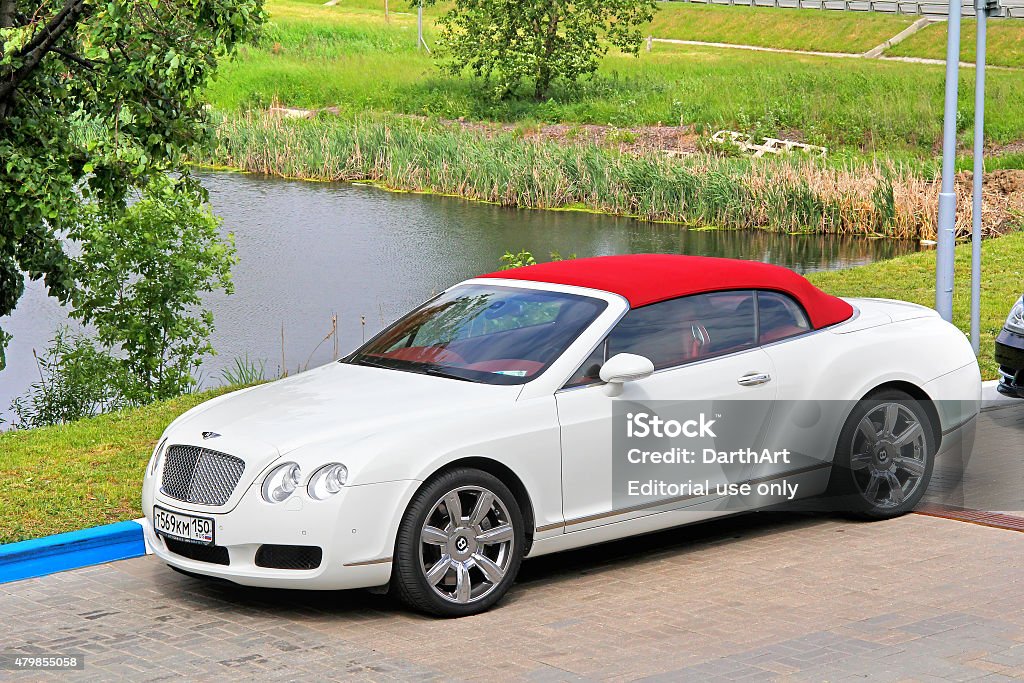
158 453
327 481
1015 321
281 482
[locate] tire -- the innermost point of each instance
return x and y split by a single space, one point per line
884 458
455 570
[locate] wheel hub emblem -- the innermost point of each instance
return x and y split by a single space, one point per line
461 544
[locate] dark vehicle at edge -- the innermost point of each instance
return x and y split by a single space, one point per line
1010 352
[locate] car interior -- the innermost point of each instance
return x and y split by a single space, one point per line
680 331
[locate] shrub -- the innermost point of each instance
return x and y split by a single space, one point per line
76 380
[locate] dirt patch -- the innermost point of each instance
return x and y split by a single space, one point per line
1016 147
1002 199
676 140
679 140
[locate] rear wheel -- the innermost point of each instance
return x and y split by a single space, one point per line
885 456
459 545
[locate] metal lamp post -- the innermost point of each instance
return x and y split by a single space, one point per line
944 258
946 228
982 9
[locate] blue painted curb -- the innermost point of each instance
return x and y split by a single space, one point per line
50 554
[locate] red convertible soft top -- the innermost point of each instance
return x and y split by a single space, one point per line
648 278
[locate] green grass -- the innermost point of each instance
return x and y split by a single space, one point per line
73 476
912 278
790 29
1005 38
83 474
348 57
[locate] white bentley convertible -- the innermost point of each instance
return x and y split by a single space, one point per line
477 430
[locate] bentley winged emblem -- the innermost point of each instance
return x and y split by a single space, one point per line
210 435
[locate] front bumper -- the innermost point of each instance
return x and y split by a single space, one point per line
1010 357
355 530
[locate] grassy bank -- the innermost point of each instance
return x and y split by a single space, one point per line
1005 38
315 56
69 477
789 29
74 476
502 166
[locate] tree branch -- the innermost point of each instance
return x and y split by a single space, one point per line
88 64
55 24
41 44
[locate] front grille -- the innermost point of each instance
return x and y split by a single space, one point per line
199 475
214 554
289 556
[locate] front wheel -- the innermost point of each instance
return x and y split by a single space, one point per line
885 456
459 545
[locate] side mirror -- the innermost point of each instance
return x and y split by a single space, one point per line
624 367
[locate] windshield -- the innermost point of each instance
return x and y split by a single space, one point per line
483 333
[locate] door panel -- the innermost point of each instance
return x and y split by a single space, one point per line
585 416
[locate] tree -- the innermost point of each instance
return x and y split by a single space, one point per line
141 278
97 97
508 43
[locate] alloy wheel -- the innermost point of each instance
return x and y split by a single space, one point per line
889 455
466 544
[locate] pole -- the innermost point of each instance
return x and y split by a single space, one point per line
946 228
419 27
979 172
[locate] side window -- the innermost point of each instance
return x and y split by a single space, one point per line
687 329
589 372
779 317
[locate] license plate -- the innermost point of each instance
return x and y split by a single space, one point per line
184 527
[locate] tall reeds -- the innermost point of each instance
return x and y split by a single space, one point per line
404 153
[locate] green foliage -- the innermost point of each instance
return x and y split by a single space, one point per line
141 277
244 371
510 43
525 258
96 98
76 380
510 260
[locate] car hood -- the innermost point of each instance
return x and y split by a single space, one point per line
339 402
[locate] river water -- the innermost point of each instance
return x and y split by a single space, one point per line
309 251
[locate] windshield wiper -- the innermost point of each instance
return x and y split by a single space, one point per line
419 368
374 364
438 372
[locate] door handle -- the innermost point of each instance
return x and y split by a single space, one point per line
752 379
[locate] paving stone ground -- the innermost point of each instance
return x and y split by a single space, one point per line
762 596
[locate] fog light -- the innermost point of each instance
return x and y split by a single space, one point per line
327 481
